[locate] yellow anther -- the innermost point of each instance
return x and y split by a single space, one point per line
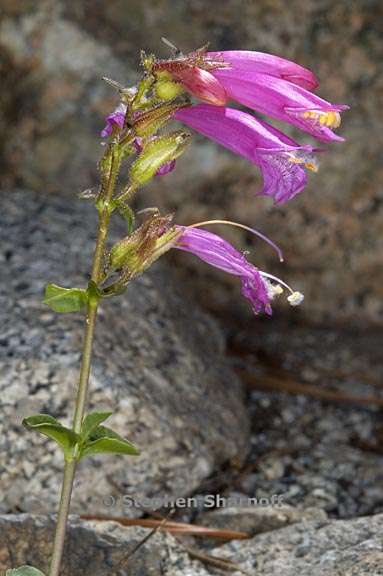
330 119
307 160
311 166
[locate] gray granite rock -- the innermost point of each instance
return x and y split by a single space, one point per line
157 363
327 548
92 548
324 548
313 452
257 518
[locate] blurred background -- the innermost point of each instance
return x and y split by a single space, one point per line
53 54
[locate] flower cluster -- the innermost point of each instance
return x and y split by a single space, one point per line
267 84
262 82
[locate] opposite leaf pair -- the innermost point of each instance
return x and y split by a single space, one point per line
93 438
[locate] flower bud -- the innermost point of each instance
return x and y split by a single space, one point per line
156 153
150 122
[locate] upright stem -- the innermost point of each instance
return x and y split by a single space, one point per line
80 405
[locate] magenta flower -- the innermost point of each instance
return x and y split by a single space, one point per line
216 251
249 62
266 83
281 160
257 286
282 100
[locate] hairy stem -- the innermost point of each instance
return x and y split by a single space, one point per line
80 404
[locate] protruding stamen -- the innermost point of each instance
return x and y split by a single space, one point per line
295 297
331 118
273 290
247 228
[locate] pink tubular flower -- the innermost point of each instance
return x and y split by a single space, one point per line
281 160
216 251
249 62
283 100
264 82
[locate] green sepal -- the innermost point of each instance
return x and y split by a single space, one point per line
127 213
65 300
150 122
24 571
103 440
50 427
91 422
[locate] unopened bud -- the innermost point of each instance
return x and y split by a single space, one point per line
150 122
124 252
156 153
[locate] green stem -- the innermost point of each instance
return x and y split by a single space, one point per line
80 405
66 492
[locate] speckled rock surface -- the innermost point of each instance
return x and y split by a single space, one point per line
331 548
157 363
54 53
324 453
92 548
255 519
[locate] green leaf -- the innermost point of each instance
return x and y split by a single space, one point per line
103 440
91 422
65 299
127 213
50 427
24 571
